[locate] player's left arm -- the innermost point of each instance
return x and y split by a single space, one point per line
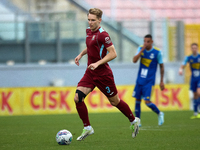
162 85
110 56
160 61
182 67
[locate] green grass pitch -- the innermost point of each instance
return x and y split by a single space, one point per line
111 132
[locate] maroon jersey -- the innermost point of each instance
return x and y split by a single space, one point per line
97 42
102 76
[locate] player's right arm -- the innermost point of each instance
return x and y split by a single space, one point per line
138 54
80 56
183 66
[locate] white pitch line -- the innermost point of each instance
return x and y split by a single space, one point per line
151 129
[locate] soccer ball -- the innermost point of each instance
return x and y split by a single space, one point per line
64 137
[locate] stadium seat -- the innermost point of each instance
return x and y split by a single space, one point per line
192 5
179 5
126 4
128 9
188 13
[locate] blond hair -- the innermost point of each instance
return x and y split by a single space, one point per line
96 11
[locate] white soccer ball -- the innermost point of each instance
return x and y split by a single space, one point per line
64 137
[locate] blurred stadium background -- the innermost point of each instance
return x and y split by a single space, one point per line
39 39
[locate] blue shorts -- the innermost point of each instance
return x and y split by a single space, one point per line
194 84
143 91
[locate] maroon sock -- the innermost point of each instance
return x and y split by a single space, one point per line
83 113
125 109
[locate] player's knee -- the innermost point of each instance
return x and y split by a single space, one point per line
76 98
138 101
147 102
79 96
196 95
113 103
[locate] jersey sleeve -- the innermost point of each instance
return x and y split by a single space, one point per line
160 58
104 38
87 30
138 50
185 61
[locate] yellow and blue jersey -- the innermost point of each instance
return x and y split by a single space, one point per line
194 62
148 65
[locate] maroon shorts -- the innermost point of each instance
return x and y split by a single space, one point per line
105 83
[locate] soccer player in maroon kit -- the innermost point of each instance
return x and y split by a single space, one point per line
98 73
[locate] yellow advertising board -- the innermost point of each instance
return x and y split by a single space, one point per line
48 100
10 101
59 100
